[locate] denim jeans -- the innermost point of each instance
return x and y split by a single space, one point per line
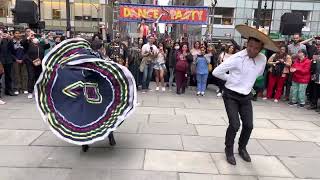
171 78
147 75
202 82
298 93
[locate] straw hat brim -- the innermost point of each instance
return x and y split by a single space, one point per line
247 31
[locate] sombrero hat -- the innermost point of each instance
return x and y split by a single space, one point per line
247 32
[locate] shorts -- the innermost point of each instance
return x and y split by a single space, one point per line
159 66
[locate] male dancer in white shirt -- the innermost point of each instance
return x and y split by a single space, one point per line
244 67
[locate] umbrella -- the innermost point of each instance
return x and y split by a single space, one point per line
81 96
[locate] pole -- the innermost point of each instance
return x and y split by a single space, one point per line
264 14
98 19
68 19
39 18
258 14
271 18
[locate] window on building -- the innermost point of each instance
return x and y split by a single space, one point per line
56 14
265 17
223 16
3 12
306 16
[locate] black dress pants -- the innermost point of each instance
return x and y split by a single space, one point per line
237 104
33 75
8 77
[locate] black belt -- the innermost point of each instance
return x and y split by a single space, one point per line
235 93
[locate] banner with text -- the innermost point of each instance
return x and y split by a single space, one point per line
164 14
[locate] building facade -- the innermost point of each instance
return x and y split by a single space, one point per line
229 13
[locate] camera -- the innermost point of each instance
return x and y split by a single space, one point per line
151 48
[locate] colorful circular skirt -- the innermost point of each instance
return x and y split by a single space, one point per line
81 96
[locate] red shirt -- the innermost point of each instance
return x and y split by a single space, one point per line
303 71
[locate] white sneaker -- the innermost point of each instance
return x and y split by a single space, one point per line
16 93
198 93
25 92
2 102
218 90
219 94
276 100
30 96
202 94
157 88
265 98
163 89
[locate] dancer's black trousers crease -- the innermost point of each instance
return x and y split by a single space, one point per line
237 104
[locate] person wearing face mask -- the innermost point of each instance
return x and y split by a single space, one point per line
301 75
7 60
34 53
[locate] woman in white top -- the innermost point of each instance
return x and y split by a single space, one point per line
160 67
230 50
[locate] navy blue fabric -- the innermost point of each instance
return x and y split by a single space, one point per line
82 113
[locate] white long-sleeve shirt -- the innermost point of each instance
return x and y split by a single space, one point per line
243 71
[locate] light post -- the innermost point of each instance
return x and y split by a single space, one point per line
98 15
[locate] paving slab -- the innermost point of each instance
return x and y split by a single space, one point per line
177 161
214 119
317 123
298 125
276 134
23 156
291 148
190 176
263 123
18 137
260 166
168 104
312 136
214 144
73 157
215 131
34 173
137 118
303 167
269 114
154 110
90 173
26 113
302 117
23 124
49 139
274 178
168 128
129 127
142 175
164 118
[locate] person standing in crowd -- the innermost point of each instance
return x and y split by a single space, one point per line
195 51
293 49
160 67
315 78
34 55
7 60
51 41
279 69
118 51
1 73
19 67
135 60
202 71
211 56
181 69
301 74
229 50
173 50
149 53
244 67
143 30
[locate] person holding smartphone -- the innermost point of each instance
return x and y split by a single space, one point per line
149 54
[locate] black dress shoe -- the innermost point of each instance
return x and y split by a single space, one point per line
9 94
230 157
244 155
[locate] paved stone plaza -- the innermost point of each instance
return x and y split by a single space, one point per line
169 137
